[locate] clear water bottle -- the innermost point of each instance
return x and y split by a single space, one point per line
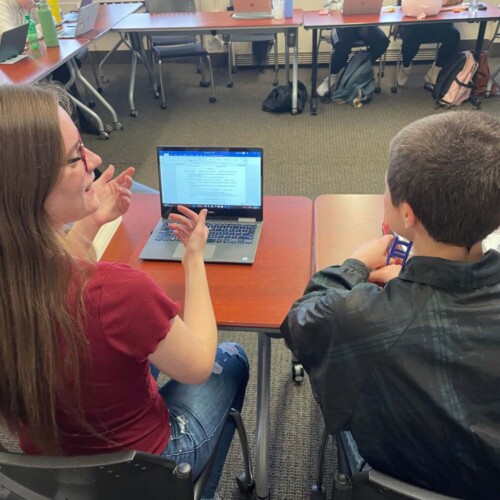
32 33
473 5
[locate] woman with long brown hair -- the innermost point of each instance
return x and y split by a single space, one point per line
77 337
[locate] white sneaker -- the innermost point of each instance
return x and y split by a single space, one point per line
327 84
404 73
430 77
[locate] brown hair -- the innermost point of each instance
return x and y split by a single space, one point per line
447 168
42 342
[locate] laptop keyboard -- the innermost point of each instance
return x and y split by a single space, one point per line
232 233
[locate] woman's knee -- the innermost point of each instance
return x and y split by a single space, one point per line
231 355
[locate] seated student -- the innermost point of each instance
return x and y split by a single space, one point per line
343 40
413 36
411 369
93 328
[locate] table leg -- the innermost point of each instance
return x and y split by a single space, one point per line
480 39
116 124
291 41
262 432
314 72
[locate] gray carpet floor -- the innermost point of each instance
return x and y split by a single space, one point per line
341 150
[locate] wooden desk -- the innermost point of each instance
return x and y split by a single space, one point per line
255 297
342 222
313 21
40 63
200 23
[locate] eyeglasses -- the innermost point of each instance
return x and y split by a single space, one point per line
83 157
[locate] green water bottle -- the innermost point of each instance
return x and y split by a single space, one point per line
47 24
32 34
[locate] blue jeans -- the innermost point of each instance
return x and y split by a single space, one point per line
356 462
199 414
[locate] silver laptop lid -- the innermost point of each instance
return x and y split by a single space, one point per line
226 181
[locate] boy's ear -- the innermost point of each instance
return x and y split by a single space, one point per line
409 217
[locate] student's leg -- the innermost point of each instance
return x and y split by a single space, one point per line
449 37
198 413
412 38
376 40
343 39
356 462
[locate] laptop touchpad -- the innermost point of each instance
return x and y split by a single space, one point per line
207 254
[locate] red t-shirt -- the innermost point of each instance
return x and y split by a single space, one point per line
127 316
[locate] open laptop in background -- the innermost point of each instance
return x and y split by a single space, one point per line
354 7
252 9
72 17
85 22
13 42
226 181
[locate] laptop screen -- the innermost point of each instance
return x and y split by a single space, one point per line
226 181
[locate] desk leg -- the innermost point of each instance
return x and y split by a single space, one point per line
102 77
314 73
480 39
116 124
263 400
291 41
138 53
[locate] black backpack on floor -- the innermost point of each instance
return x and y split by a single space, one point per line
280 99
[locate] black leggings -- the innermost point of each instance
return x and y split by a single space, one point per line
444 33
343 40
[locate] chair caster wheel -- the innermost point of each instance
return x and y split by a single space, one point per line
203 83
229 84
377 90
394 90
108 129
91 104
244 487
133 113
275 83
317 493
104 136
163 105
117 126
297 372
212 99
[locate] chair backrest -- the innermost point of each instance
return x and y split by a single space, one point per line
125 475
160 6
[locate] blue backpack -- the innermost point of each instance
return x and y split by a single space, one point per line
357 82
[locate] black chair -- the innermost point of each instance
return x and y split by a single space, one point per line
177 47
127 475
366 485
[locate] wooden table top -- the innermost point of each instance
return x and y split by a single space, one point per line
110 14
201 21
40 63
342 222
314 20
256 296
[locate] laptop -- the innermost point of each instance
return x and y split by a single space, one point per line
13 42
226 181
252 9
85 22
354 7
72 17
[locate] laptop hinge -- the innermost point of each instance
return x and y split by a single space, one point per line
247 219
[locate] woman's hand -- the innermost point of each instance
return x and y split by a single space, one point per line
190 228
114 195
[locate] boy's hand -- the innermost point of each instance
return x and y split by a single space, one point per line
385 274
373 253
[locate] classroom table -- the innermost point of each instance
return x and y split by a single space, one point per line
199 23
314 21
252 298
40 63
342 222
